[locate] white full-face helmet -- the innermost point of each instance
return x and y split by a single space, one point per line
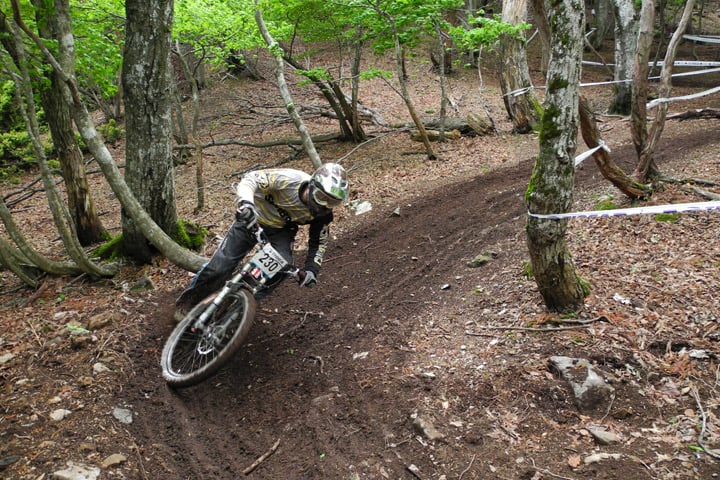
329 185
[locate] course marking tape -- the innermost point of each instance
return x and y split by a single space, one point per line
524 90
622 212
585 155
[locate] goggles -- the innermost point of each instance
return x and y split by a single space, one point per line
322 198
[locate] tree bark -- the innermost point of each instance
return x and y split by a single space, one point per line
551 185
522 107
147 88
626 34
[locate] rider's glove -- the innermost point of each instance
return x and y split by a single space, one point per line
308 280
246 212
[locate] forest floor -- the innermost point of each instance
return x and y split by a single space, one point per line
335 382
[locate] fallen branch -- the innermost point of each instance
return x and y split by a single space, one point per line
703 193
577 324
262 458
693 114
472 460
701 435
272 143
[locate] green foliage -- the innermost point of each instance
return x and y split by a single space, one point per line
10 118
667 217
16 153
486 33
99 30
527 269
110 131
605 203
315 74
218 29
372 73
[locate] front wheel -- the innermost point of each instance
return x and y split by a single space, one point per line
192 354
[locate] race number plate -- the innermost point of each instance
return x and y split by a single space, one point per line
269 261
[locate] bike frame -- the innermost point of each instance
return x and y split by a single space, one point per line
251 276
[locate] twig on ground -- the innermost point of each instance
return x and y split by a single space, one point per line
548 472
472 460
41 344
701 435
475 334
607 412
305 315
527 329
412 468
261 458
576 324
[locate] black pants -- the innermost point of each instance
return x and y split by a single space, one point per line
235 246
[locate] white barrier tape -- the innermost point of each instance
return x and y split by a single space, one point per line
703 38
658 101
622 212
585 155
522 91
660 63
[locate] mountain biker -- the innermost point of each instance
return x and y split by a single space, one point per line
280 200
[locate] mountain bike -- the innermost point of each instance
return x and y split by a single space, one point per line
213 331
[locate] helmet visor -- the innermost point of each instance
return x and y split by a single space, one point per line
322 198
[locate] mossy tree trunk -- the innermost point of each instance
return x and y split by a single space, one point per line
551 184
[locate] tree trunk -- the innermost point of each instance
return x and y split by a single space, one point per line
402 76
646 169
442 72
195 89
355 87
522 107
609 169
638 112
26 104
10 259
149 170
626 31
602 23
551 185
543 25
54 23
333 94
176 254
278 54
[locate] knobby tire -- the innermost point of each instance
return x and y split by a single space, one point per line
188 358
